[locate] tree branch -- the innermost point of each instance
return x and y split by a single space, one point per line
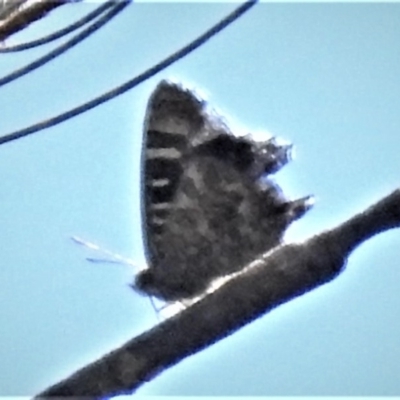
59 33
21 18
277 277
79 37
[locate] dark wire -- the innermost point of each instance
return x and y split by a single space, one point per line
118 7
133 82
61 32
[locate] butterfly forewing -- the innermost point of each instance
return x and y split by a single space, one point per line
173 119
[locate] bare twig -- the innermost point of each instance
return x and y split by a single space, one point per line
277 277
20 19
107 17
9 7
60 32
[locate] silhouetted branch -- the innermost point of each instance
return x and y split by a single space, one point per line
8 7
20 19
107 17
277 277
61 32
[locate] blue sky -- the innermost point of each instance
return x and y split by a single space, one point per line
323 76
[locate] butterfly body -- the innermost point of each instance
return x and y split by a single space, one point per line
208 209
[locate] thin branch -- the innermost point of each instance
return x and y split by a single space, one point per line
117 8
20 19
133 82
9 7
279 276
59 33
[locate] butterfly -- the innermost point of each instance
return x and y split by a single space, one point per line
209 206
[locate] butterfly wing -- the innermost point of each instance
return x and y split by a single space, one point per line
174 117
226 215
207 212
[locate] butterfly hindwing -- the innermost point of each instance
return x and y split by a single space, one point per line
208 208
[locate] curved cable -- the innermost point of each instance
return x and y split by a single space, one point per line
133 82
59 33
118 7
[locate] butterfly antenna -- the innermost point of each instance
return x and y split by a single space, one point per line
111 257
